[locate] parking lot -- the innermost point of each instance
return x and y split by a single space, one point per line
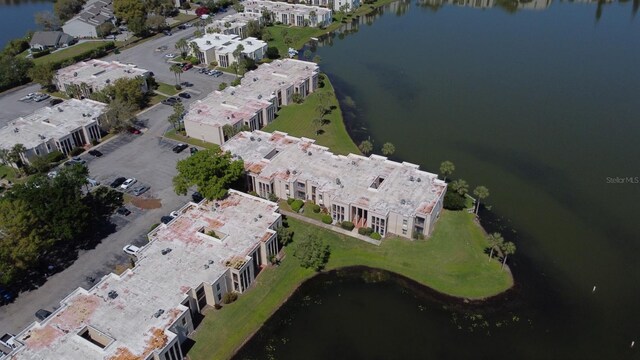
11 107
149 158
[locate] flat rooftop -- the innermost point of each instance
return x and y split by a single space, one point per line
255 92
277 6
98 73
237 19
403 188
227 43
51 122
158 281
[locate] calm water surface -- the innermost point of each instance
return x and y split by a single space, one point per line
541 106
17 17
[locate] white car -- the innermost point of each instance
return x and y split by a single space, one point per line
131 249
127 184
52 174
170 56
174 214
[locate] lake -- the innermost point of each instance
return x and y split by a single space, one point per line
17 17
539 102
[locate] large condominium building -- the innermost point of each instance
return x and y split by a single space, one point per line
220 48
94 13
387 196
336 5
234 24
83 78
146 313
291 14
253 103
70 124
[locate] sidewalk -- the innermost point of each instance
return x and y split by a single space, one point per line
353 233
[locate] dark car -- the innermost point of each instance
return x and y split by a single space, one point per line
123 211
117 182
178 148
193 150
181 27
42 314
196 197
166 219
95 153
166 32
133 130
5 296
53 102
185 95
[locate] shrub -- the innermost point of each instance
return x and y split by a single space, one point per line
375 236
290 200
347 225
95 142
453 200
229 297
153 227
55 156
365 231
316 208
253 193
312 252
417 235
297 205
273 197
216 306
297 98
235 82
222 86
178 87
285 235
42 53
327 219
76 151
272 52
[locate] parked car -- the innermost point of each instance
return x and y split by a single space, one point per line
170 55
181 27
166 219
79 160
53 102
74 162
186 84
193 150
8 340
41 97
187 67
5 296
140 190
93 182
133 130
185 95
128 183
174 214
95 153
123 211
167 32
170 101
131 249
196 197
178 148
42 314
117 182
52 174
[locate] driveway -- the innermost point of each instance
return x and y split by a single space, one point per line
147 157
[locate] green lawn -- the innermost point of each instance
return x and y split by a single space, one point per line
171 134
69 52
8 173
299 36
452 261
167 89
295 119
155 98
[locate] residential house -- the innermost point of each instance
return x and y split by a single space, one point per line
43 40
291 14
93 14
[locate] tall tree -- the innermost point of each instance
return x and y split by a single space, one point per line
155 22
237 54
105 29
482 193
211 171
48 20
66 9
15 155
460 186
312 252
447 168
495 241
508 248
129 90
177 71
118 116
388 149
366 147
183 46
42 74
228 131
133 12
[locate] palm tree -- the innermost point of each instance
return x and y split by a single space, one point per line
388 149
313 17
482 193
183 46
508 248
317 123
176 70
496 241
237 53
198 33
366 147
194 48
460 186
447 168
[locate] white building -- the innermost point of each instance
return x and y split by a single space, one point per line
291 14
94 13
234 24
212 248
387 196
254 102
86 77
220 48
335 5
72 123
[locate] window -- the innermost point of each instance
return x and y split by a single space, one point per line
219 297
404 231
184 321
217 287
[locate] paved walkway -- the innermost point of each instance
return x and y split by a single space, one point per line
353 233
